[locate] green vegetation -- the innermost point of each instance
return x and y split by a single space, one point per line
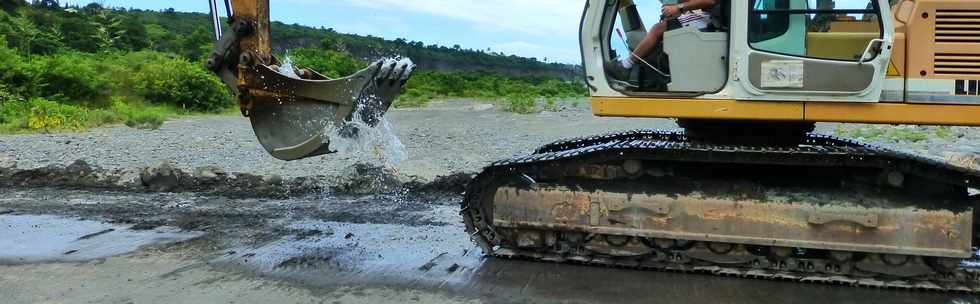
429 57
78 68
70 68
520 94
895 133
71 90
327 62
40 114
162 79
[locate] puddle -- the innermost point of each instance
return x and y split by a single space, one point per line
46 238
441 258
344 254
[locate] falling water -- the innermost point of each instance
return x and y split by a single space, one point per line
379 144
287 67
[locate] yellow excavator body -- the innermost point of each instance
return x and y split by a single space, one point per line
746 189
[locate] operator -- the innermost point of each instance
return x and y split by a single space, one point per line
690 13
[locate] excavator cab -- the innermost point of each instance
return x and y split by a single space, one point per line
292 111
752 50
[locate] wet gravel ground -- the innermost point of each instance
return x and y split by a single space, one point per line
327 249
448 137
401 247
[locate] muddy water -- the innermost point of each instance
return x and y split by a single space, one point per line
442 259
46 238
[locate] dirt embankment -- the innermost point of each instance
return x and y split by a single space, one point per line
165 177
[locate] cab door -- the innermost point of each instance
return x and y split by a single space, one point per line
810 50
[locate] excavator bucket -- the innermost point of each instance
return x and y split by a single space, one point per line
293 114
293 111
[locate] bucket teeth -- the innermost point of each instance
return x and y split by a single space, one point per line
377 97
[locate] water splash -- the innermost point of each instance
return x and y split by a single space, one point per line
366 144
358 139
287 67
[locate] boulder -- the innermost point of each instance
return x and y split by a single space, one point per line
162 177
209 172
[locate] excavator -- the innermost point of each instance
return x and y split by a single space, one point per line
745 188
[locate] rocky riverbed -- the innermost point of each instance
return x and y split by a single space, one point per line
196 212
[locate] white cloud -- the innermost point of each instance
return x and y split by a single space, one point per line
539 18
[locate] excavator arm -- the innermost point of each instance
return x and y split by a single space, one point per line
292 111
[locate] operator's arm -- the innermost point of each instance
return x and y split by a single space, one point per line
688 5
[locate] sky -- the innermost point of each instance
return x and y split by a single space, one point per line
530 28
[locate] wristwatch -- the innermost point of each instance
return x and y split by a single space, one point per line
682 7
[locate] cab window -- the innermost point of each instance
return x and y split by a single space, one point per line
824 29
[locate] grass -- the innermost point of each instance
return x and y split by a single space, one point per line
520 103
418 100
896 133
39 115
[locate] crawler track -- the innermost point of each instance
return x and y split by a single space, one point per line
560 165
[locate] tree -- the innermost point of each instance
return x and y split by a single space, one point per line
92 8
77 32
159 39
109 30
197 44
25 32
48 4
329 42
11 5
136 37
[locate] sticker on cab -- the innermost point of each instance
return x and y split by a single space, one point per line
782 74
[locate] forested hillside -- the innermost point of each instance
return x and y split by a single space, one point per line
68 67
185 33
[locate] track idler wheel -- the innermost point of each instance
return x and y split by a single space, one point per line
720 248
944 265
894 259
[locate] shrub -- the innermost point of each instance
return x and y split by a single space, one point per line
150 120
329 63
11 106
180 83
551 104
47 115
522 103
414 98
519 92
39 114
139 116
122 66
15 74
70 77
